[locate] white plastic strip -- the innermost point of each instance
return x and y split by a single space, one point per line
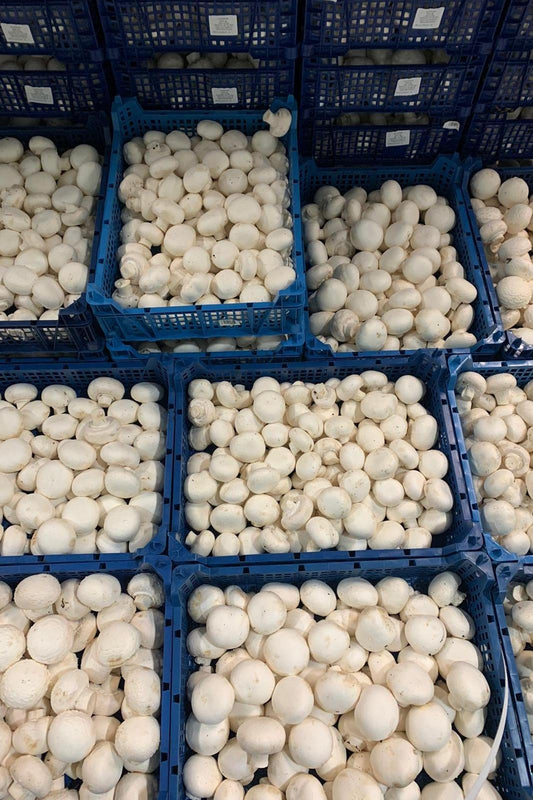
483 775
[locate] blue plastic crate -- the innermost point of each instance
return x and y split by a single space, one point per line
514 346
200 88
186 322
493 137
124 569
508 82
505 575
517 22
78 374
331 144
512 778
81 89
143 27
461 536
62 28
523 372
445 176
76 330
344 24
439 88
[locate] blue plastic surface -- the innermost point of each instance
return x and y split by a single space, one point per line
477 581
344 24
517 22
441 89
514 346
185 322
493 137
200 88
78 374
507 574
124 569
76 330
508 82
445 176
523 372
143 27
62 28
82 88
460 536
331 144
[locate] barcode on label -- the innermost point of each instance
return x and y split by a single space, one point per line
39 94
407 86
428 18
397 138
17 34
223 25
224 94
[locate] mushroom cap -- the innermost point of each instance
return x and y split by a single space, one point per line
50 639
71 736
137 738
24 684
12 646
37 591
117 643
98 591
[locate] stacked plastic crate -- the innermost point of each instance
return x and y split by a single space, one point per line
501 126
390 82
200 54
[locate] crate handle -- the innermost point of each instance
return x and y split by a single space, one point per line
486 768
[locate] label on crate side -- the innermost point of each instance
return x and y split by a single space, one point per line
397 138
223 25
17 34
407 86
452 125
224 94
428 18
39 94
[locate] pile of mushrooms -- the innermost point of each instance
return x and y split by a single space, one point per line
382 270
80 689
302 467
497 420
381 57
206 218
504 213
34 62
208 60
47 213
81 474
323 693
518 606
221 344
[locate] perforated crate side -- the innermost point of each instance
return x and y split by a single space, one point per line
322 138
198 88
62 28
153 324
477 581
508 82
492 137
439 88
517 23
81 89
513 346
461 536
445 176
143 27
76 330
123 569
459 24
506 575
78 374
523 372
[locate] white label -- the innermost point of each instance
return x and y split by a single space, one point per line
407 86
452 125
39 94
397 138
226 322
223 25
224 94
428 18
17 34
